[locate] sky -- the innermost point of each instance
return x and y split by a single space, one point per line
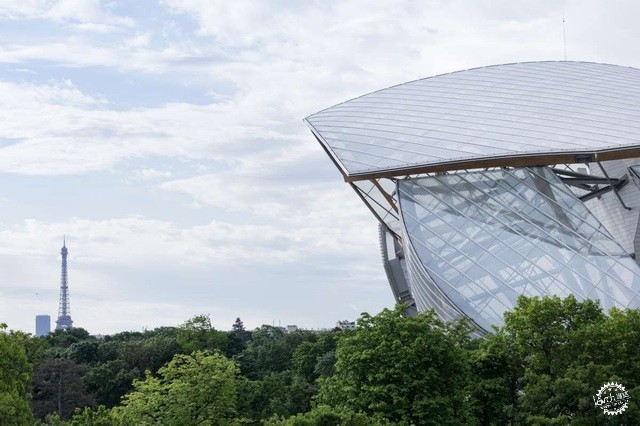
165 139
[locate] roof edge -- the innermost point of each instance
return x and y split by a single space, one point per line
306 119
521 160
327 148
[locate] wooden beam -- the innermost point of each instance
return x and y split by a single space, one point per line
387 197
526 160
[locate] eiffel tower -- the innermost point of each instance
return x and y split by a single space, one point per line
64 321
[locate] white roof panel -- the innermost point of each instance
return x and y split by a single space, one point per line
514 114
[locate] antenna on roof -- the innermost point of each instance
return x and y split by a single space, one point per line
564 36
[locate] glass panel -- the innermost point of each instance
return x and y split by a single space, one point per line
486 237
514 109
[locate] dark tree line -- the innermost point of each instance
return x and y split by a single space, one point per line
543 367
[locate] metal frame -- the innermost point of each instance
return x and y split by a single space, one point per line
592 183
488 293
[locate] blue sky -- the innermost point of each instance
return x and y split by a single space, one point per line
165 138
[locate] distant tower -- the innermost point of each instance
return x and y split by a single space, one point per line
64 319
43 325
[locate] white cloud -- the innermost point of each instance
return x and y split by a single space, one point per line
151 174
59 130
86 14
139 241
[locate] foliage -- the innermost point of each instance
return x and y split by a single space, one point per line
270 350
282 393
237 338
316 358
326 416
496 382
199 388
148 354
548 361
198 334
58 387
98 417
109 381
542 367
83 351
64 338
403 369
14 380
35 348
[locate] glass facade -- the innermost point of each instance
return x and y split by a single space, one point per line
483 238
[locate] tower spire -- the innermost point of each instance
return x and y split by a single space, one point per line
64 318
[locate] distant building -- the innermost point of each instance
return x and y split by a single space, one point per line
292 328
346 325
64 321
43 325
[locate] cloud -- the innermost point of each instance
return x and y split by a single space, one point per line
140 241
56 129
150 174
86 15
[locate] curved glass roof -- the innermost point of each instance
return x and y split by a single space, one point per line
504 115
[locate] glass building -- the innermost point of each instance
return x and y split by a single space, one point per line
499 181
43 325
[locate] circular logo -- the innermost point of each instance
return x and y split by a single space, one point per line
612 398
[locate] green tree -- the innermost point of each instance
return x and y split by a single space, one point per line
316 358
110 381
237 338
496 380
402 369
549 331
616 343
199 388
148 353
108 350
125 336
270 350
14 381
282 393
100 416
198 334
238 326
549 360
64 338
326 416
58 387
83 351
36 348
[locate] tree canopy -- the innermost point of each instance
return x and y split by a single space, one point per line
14 380
199 388
409 370
544 366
